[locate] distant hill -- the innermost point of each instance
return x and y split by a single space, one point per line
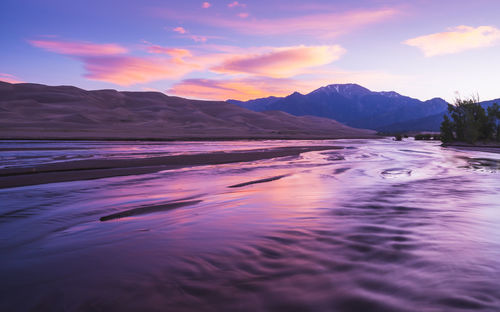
430 123
38 111
257 105
355 106
487 104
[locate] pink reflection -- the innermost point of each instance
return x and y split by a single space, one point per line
334 232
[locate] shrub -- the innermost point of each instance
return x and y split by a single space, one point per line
423 136
470 122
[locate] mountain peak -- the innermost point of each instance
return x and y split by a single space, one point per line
295 94
391 94
348 90
357 106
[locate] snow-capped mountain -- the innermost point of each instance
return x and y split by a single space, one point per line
353 105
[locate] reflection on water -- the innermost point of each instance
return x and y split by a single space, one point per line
377 226
15 153
482 164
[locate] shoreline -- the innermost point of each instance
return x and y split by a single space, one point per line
106 168
488 148
192 139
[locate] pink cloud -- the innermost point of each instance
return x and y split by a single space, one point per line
206 5
105 62
128 70
174 63
78 48
235 4
197 38
281 62
180 30
175 52
323 25
241 89
186 34
456 39
9 78
243 15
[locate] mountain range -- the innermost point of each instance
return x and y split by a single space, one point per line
359 107
35 111
428 123
355 106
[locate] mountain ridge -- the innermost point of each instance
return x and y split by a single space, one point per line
353 105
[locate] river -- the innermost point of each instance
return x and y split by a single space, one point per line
377 226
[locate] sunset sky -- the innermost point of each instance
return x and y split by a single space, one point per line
250 49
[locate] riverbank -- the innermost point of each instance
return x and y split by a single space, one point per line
489 147
105 168
127 137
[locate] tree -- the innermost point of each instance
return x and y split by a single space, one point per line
447 130
494 120
470 122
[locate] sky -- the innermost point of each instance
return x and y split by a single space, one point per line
243 50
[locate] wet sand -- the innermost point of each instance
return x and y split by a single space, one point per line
148 209
258 181
104 168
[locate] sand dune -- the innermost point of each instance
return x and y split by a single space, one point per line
38 111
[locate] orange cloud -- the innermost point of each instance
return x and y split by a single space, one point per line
151 89
281 62
9 78
175 52
128 70
105 62
206 5
457 39
242 89
78 48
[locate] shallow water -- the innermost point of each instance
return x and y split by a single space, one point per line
14 153
377 226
